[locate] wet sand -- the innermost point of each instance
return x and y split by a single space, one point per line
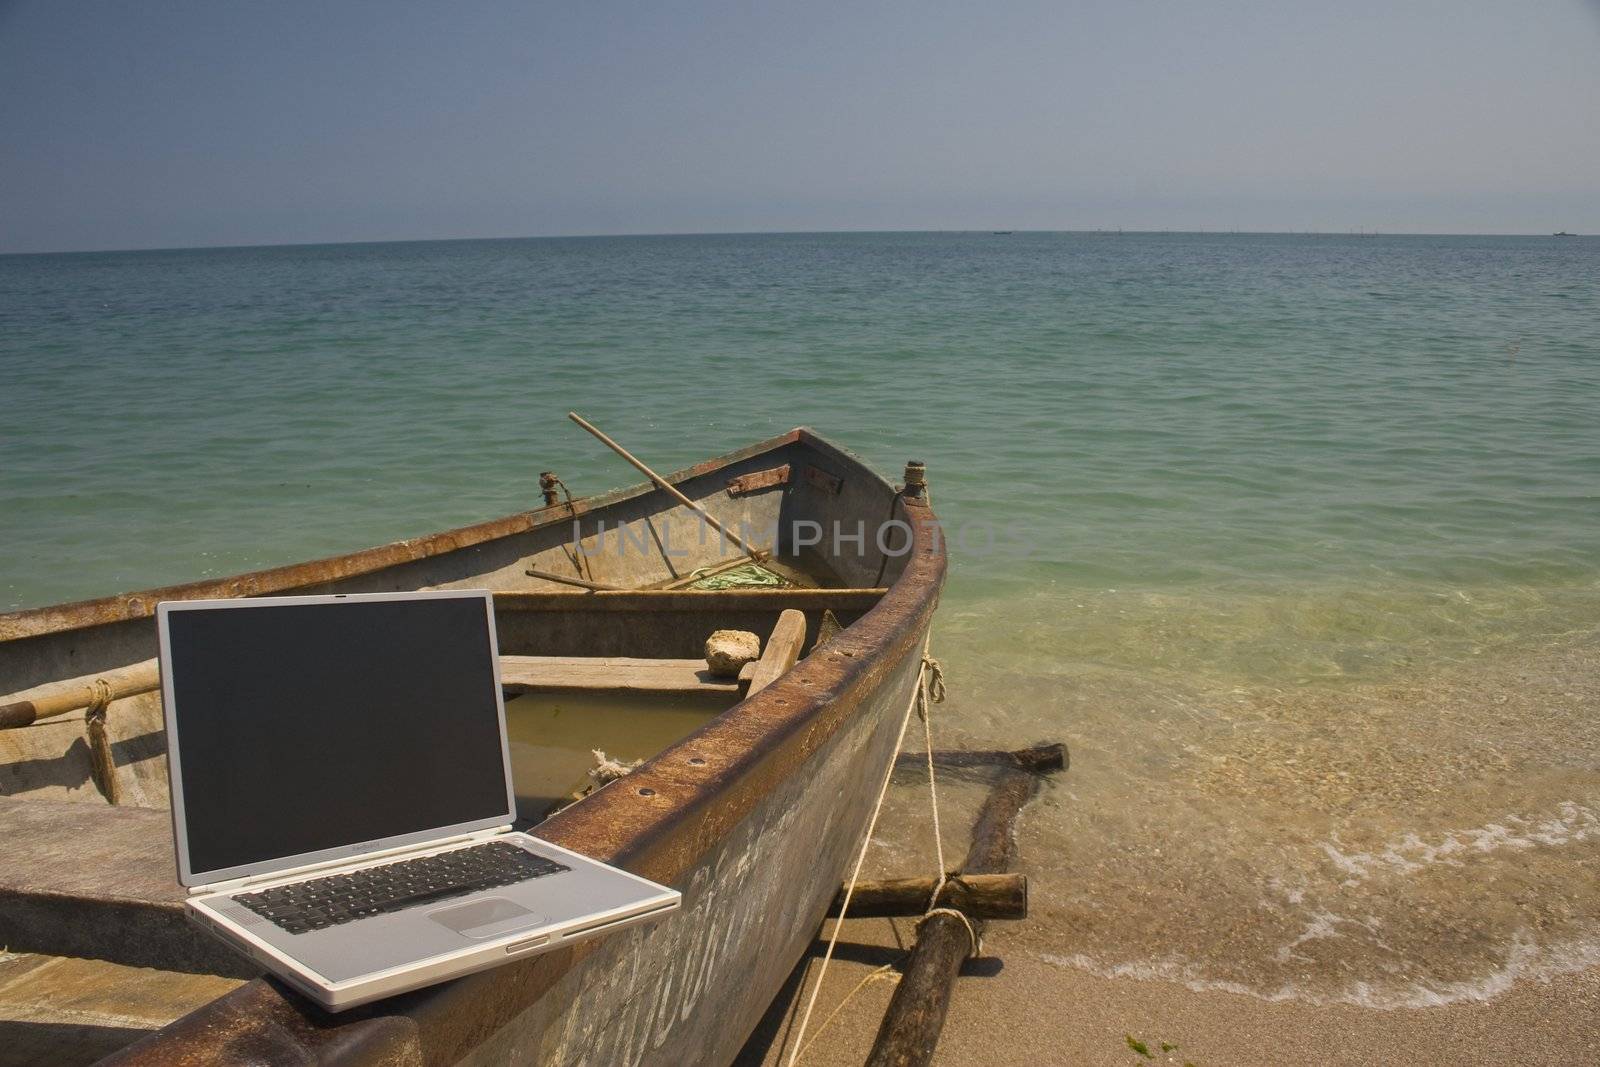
1402 869
1015 1008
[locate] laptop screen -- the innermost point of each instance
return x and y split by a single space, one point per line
303 727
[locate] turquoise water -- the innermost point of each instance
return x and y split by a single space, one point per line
1160 411
1235 515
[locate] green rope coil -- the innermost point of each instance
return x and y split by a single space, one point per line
747 576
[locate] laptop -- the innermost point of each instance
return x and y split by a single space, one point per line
342 796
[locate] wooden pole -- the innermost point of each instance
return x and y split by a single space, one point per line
664 484
977 896
72 694
567 579
916 1013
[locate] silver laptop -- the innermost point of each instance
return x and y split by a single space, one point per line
342 795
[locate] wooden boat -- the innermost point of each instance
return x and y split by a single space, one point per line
754 815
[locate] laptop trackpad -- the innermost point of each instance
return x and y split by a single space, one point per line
486 918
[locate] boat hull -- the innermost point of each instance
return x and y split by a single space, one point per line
755 816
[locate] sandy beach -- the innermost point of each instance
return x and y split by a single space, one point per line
1014 1008
1143 931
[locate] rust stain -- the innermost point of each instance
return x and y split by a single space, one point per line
749 483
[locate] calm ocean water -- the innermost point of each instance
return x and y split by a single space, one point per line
1296 540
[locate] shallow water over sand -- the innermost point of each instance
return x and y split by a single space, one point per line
1295 540
1410 834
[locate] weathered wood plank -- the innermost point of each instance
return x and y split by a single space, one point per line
978 896
695 600
614 673
63 1011
783 649
519 672
101 883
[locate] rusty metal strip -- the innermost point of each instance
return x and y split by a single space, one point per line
749 483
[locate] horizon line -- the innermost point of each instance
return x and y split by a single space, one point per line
1362 232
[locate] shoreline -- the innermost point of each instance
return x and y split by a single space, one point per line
1014 1007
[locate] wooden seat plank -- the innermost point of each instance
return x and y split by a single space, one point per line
614 673
783 649
101 883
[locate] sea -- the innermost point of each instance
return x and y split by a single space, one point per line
1293 539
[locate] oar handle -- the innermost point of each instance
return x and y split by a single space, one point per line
662 482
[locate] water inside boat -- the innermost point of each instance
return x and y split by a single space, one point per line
554 737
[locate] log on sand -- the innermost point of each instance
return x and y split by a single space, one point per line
977 896
916 1014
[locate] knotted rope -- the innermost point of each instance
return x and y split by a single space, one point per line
607 770
972 931
101 698
102 766
930 690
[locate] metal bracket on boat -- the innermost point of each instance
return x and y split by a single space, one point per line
916 487
821 479
749 483
547 485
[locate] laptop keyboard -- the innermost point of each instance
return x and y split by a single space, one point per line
342 898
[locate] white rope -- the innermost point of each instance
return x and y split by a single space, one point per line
932 691
884 973
855 873
607 770
972 931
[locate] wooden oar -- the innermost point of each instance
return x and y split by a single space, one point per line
672 491
73 694
567 579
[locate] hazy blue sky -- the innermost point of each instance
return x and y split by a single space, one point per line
140 124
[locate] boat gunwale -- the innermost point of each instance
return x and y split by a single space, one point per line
121 607
658 821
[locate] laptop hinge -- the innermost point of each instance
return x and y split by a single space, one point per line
293 873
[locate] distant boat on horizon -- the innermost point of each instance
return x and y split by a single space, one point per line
1563 233
1003 233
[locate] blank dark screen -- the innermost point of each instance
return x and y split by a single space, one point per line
311 726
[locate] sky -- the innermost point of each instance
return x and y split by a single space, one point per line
217 122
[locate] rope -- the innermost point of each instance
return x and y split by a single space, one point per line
102 697
855 873
972 931
580 558
932 690
886 971
102 766
750 575
606 769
